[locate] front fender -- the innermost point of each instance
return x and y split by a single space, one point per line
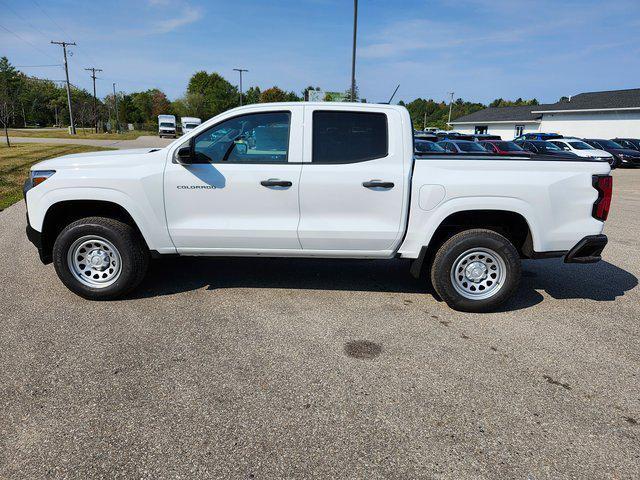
154 232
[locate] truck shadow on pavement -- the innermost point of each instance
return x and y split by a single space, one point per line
602 281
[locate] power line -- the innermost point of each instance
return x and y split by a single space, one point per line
26 41
38 66
64 30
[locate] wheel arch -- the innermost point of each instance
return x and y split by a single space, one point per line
511 224
64 212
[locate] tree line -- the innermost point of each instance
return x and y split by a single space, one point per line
29 101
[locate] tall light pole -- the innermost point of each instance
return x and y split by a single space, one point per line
93 71
240 70
450 106
353 52
115 100
66 71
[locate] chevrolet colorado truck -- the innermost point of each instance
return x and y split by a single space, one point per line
331 180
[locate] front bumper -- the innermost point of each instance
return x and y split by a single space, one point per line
35 237
587 250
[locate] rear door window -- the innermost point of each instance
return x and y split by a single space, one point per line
349 137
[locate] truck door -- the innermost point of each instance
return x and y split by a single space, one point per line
352 187
242 195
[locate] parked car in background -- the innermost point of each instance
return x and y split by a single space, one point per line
478 137
462 146
538 136
425 136
454 136
189 123
631 143
502 147
623 156
426 146
582 149
167 126
542 147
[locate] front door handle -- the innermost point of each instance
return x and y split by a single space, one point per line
378 184
274 182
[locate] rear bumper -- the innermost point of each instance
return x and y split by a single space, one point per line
587 250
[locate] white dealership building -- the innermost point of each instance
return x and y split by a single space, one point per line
607 114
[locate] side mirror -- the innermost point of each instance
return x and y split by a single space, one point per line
184 156
241 147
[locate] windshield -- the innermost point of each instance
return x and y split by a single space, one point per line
508 146
581 146
470 147
167 124
609 144
426 146
191 125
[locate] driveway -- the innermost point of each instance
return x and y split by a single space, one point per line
143 141
274 368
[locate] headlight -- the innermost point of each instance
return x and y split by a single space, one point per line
36 177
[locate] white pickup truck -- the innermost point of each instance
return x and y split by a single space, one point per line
332 180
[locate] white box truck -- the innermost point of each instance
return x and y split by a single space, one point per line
167 126
189 123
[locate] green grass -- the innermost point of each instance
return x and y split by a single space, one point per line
16 160
81 133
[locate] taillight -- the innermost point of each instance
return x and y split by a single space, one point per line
604 185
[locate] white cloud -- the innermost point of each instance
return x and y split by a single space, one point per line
189 15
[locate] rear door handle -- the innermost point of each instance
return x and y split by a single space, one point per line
378 184
274 182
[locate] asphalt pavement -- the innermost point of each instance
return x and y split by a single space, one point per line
275 368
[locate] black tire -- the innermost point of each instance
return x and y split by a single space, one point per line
132 251
463 243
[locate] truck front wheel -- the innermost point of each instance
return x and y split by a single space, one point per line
100 258
476 270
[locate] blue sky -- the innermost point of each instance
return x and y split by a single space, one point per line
480 49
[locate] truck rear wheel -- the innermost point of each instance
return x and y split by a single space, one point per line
100 258
476 270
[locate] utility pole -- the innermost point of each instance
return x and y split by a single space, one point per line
66 71
353 53
450 106
424 121
240 70
93 71
115 99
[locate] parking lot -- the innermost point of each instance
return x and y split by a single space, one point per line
273 368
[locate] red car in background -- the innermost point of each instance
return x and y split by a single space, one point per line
502 147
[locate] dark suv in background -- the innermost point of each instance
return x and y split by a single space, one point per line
543 147
623 156
631 143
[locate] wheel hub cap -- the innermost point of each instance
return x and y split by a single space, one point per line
478 273
94 261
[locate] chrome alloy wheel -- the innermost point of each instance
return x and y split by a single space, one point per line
478 273
94 261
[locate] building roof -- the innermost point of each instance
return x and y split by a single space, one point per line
608 100
501 114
